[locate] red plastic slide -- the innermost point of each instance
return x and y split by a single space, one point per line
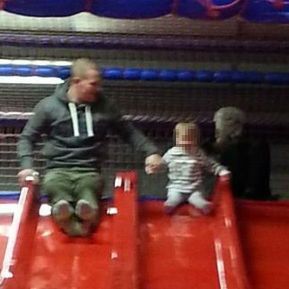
137 246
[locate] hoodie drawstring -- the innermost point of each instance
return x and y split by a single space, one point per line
74 118
88 119
73 113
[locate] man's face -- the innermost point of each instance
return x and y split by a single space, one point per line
88 86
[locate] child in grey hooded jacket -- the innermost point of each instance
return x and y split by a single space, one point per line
186 164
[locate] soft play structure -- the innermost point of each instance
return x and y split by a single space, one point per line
159 72
252 10
242 245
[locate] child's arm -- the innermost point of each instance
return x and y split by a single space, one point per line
166 158
213 166
165 161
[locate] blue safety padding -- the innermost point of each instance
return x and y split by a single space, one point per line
23 70
46 71
6 70
277 78
132 74
168 75
185 75
45 8
131 9
255 77
9 195
112 73
14 195
63 72
204 75
240 77
276 11
149 74
223 76
152 74
151 198
264 11
209 10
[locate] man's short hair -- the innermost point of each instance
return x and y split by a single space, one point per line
81 66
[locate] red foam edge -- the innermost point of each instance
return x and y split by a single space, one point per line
124 255
20 241
229 253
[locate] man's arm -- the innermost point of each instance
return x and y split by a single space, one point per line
35 126
137 140
134 137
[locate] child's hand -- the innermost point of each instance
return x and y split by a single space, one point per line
225 174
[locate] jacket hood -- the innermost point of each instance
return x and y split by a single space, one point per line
61 92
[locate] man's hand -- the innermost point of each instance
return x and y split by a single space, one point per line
153 164
22 175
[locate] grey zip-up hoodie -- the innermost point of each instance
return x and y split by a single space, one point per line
75 134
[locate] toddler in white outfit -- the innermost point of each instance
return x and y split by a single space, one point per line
186 164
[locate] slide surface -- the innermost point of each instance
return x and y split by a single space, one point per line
141 247
264 231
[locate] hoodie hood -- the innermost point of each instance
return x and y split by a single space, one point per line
61 91
61 94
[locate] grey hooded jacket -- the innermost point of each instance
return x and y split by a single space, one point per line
75 134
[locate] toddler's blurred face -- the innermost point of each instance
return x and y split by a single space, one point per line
186 138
